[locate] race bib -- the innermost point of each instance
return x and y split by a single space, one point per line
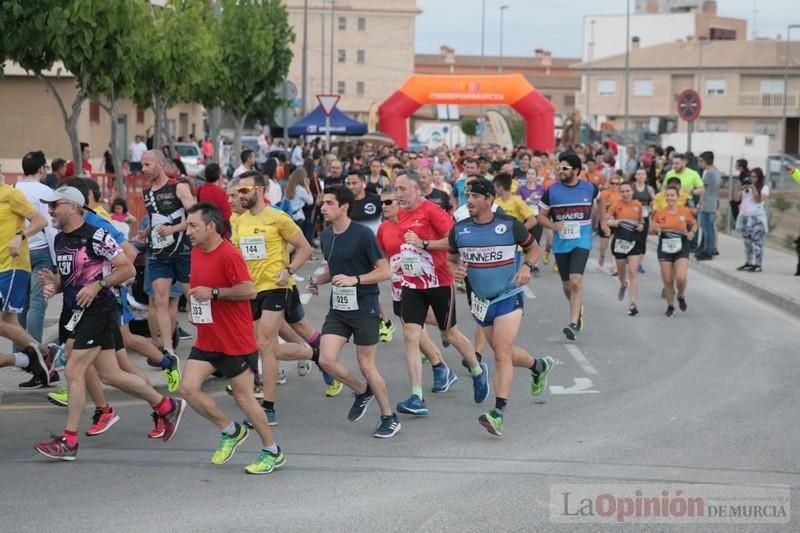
201 311
671 246
345 299
158 241
570 230
535 209
253 247
479 307
623 247
73 321
412 264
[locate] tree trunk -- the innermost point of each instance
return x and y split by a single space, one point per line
70 120
157 125
214 123
169 139
237 138
113 113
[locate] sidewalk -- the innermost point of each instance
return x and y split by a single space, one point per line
776 285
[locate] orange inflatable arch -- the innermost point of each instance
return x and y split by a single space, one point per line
507 89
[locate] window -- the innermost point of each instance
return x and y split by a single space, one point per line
569 100
94 112
716 125
360 57
606 87
360 88
771 86
342 23
716 87
340 87
642 87
139 117
342 56
362 24
766 128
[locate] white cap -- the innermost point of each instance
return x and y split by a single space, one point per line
71 194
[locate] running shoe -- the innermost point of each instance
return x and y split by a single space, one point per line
228 444
539 380
480 385
36 383
413 406
755 268
387 427
386 330
37 365
281 380
173 418
546 258
641 269
173 373
158 427
613 272
102 420
621 291
745 266
59 397
555 267
303 368
492 421
443 378
682 303
570 331
183 334
334 387
266 462
633 310
57 449
670 312
360 403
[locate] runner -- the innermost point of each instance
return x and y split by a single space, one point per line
566 208
627 218
484 247
675 227
263 234
610 196
645 194
221 290
390 239
86 255
428 284
437 196
355 266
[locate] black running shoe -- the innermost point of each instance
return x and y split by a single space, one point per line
682 303
360 403
388 427
670 312
633 310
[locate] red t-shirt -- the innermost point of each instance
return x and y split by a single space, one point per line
425 269
211 193
87 166
231 332
390 238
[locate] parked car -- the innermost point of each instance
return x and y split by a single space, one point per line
191 157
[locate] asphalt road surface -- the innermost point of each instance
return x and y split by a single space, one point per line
709 397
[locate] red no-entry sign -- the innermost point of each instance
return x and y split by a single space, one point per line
689 105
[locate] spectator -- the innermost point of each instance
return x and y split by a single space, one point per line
213 194
135 151
58 174
120 218
709 202
86 154
248 158
298 195
752 219
744 173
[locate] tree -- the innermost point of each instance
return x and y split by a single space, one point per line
254 38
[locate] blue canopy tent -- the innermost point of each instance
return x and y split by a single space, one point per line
314 124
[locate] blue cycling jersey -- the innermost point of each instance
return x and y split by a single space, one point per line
571 205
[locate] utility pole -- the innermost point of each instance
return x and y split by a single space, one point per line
590 56
500 66
333 51
627 77
322 54
305 59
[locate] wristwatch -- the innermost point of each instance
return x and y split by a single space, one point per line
425 244
215 294
290 271
529 265
103 283
21 234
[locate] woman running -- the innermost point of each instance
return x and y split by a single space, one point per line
675 227
610 197
626 216
645 194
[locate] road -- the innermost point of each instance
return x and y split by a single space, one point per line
709 397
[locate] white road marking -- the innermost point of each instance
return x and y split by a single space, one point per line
529 293
581 386
577 354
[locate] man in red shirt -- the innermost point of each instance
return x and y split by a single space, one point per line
220 294
85 164
214 195
428 284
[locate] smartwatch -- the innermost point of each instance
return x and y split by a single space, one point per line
21 234
425 244
103 283
529 265
290 271
215 294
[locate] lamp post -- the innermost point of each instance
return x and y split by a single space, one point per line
483 30
305 58
785 98
590 56
500 66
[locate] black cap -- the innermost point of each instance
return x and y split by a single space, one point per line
480 186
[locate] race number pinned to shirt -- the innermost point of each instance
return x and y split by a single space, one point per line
622 246
201 311
412 263
671 245
479 307
345 298
253 247
158 241
74 319
570 230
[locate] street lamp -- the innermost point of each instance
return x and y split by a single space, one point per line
785 97
500 66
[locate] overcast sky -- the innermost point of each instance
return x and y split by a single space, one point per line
556 24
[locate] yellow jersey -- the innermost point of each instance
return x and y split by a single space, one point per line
262 240
660 201
101 212
14 209
515 207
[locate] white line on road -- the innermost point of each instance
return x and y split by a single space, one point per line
577 354
529 293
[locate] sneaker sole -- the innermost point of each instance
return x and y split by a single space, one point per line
483 421
155 435
363 411
59 403
450 383
274 468
390 435
56 457
108 426
44 367
181 410
415 412
180 376
568 333
235 447
334 394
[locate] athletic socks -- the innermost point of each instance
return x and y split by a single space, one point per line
440 365
266 404
21 360
272 448
417 391
164 406
538 366
232 429
476 370
500 404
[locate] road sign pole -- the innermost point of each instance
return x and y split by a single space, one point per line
689 128
285 96
328 132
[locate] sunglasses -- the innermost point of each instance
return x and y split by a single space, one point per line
387 202
565 168
245 189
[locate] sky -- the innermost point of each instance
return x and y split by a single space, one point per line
556 25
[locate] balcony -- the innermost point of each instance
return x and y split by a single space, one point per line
767 100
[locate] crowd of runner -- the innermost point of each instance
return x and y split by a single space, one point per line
480 220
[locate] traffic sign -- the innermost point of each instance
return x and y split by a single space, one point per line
283 116
328 102
689 105
286 91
